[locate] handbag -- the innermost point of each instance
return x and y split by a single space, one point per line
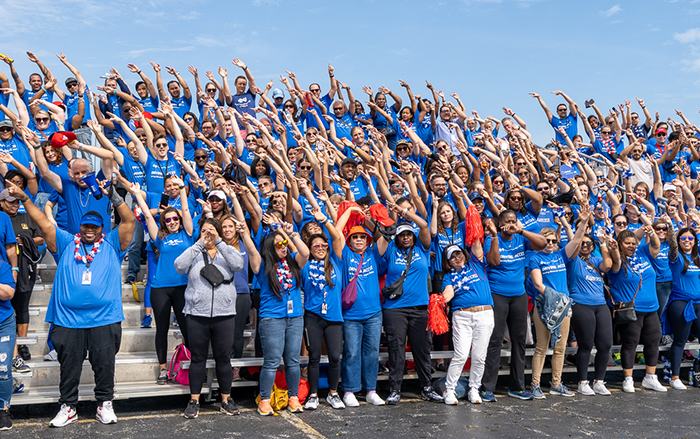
349 294
395 290
623 312
210 273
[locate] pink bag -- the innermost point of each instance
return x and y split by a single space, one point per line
349 293
175 372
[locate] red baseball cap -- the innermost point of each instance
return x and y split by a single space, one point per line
60 139
379 213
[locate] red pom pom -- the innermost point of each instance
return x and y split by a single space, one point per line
437 319
473 226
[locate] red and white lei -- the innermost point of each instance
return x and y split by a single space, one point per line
88 258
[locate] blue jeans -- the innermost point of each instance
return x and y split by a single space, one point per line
663 290
134 251
280 339
8 336
361 353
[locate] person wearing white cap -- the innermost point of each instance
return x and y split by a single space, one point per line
406 314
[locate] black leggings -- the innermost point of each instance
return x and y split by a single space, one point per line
20 302
645 331
592 324
317 329
161 300
242 311
510 311
400 324
218 330
681 330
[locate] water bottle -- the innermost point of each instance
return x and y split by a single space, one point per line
667 370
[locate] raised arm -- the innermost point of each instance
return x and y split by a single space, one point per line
546 109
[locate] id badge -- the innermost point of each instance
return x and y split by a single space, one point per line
87 277
290 306
324 308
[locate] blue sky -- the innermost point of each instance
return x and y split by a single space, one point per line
491 52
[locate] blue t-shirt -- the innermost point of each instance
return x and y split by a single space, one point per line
569 123
270 305
73 304
157 170
148 103
470 284
552 266
81 201
367 303
508 277
181 105
72 102
244 103
61 170
624 283
415 285
585 284
688 281
6 278
18 150
443 240
661 264
240 278
134 170
7 235
170 247
317 291
343 126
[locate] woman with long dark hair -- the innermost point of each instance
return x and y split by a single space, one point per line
281 313
683 306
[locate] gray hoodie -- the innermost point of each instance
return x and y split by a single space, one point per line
201 299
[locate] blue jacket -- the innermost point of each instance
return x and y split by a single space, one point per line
552 307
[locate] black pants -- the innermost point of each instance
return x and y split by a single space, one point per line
646 331
242 311
511 311
20 303
592 324
681 331
411 322
218 330
316 329
162 299
72 345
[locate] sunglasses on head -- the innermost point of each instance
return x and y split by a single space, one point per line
281 244
172 219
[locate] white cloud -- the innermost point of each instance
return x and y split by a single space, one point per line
689 36
691 65
612 11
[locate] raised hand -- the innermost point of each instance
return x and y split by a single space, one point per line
193 70
171 70
156 67
238 63
132 68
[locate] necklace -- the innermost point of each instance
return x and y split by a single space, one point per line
89 257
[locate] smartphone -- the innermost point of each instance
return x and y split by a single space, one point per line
164 198
394 163
589 102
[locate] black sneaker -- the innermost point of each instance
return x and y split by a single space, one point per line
429 394
23 351
162 377
5 420
394 397
228 407
192 410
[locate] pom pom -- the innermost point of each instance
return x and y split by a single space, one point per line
437 319
355 218
473 226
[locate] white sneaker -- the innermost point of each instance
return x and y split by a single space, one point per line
474 396
600 389
51 356
334 400
652 383
628 385
350 400
450 397
374 399
584 388
105 413
67 415
311 402
677 384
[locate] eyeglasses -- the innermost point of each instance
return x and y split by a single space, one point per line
172 219
661 229
620 223
281 244
521 174
687 238
200 157
42 119
320 246
551 241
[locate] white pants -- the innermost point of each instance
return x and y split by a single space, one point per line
470 331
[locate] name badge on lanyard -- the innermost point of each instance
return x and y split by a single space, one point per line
87 277
290 306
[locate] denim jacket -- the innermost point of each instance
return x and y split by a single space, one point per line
552 307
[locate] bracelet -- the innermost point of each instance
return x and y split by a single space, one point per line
293 235
325 221
182 186
15 268
80 146
139 72
245 68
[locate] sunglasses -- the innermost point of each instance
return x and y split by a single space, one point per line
397 185
5 129
606 132
42 119
211 90
323 246
337 109
661 229
208 171
358 236
687 238
281 244
175 219
498 182
657 134
516 198
635 117
200 157
292 106
189 119
520 164
551 241
315 91
587 244
72 84
305 168
161 145
523 174
620 224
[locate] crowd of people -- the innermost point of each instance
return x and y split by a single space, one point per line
338 220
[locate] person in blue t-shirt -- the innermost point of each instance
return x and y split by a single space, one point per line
506 271
86 301
591 320
8 335
146 93
178 90
171 237
407 259
548 270
281 323
566 118
633 279
244 100
466 285
323 313
681 314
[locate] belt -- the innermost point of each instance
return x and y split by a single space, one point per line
477 308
